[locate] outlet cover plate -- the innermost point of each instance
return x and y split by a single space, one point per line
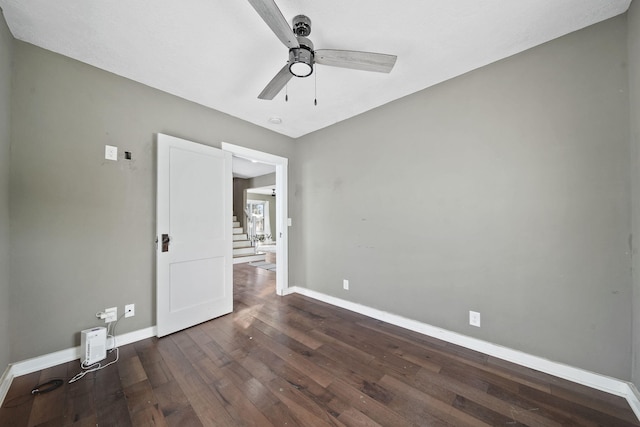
129 310
112 314
474 318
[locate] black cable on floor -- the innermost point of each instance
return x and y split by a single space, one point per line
47 387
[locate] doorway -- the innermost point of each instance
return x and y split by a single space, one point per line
281 233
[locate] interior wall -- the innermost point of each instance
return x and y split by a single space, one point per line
83 227
239 187
6 55
633 21
263 181
504 191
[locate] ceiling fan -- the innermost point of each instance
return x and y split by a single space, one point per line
302 56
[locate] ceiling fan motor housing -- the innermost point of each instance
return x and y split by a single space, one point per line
301 25
301 58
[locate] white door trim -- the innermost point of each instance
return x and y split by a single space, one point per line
282 246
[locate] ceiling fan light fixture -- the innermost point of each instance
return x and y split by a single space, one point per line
300 69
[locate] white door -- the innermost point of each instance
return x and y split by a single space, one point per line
194 253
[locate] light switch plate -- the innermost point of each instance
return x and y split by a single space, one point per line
474 318
111 152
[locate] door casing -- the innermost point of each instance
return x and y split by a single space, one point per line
282 221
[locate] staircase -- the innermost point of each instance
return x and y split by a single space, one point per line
242 249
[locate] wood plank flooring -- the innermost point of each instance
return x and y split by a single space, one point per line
292 361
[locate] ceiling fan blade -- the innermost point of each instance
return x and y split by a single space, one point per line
269 12
276 84
367 61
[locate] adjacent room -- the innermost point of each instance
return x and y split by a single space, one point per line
437 213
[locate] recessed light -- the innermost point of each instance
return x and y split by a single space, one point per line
275 120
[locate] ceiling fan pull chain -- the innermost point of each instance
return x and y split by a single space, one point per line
315 87
286 93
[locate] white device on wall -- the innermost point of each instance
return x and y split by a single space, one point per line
93 345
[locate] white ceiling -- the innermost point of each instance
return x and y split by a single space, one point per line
244 168
220 54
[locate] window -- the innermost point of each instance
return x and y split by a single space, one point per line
256 217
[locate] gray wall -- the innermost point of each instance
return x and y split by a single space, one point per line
633 20
239 187
505 191
83 227
6 54
263 181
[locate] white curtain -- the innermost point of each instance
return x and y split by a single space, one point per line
267 220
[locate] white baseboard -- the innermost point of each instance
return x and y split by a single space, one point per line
5 383
63 356
581 376
634 399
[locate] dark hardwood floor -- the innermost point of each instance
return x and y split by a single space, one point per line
292 361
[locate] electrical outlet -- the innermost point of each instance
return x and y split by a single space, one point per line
111 314
129 310
111 152
474 318
345 284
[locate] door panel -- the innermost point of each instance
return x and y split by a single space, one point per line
195 273
194 277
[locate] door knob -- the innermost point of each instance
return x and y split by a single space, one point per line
165 242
